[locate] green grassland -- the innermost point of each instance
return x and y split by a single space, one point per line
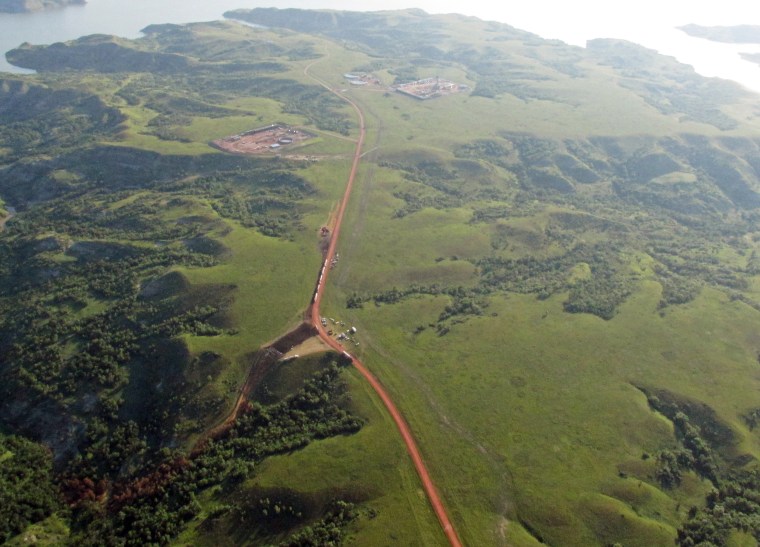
529 416
554 272
526 419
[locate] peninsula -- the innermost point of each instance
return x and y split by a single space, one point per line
737 34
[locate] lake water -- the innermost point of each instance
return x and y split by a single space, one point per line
647 22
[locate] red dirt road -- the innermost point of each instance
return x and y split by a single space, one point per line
403 427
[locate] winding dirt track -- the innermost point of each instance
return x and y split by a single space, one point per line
403 427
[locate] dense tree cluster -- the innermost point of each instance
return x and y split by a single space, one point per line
37 118
315 412
211 85
752 418
734 505
82 190
106 341
600 295
415 202
734 502
696 453
27 491
465 301
141 221
328 531
152 508
269 214
682 226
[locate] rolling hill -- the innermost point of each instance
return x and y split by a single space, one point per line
551 264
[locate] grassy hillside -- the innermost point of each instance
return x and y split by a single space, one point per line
528 260
554 271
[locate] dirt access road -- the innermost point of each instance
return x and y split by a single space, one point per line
403 427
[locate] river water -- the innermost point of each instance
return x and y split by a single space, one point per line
647 22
